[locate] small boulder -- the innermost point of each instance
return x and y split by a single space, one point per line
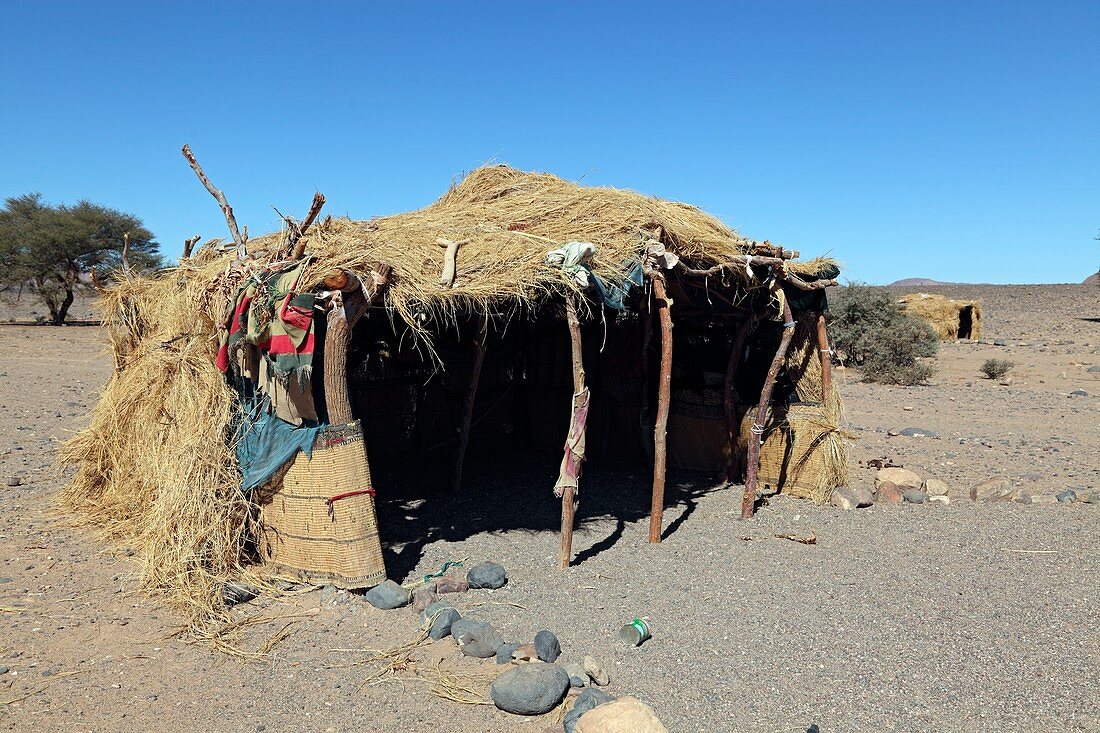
936 487
504 651
423 597
998 488
530 689
918 433
433 609
547 646
487 575
590 698
444 620
1092 497
1078 393
525 653
623 715
1066 497
939 499
596 671
915 496
888 493
15 481
577 676
844 498
476 638
235 592
1022 497
451 584
387 596
903 478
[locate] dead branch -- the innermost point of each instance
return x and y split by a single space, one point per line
189 244
227 210
298 231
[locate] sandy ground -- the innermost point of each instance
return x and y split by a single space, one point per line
968 617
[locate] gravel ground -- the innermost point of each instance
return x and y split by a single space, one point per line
968 617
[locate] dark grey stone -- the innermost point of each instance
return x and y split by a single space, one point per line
915 496
487 575
476 638
4 580
1078 393
387 595
433 609
3 670
1095 369
15 481
918 433
530 689
444 620
234 593
999 342
590 698
504 651
1066 497
547 645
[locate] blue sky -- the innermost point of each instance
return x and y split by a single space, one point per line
956 140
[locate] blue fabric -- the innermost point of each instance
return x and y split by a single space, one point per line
614 294
265 443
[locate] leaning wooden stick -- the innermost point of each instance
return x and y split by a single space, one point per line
468 405
569 500
298 231
752 470
664 393
227 210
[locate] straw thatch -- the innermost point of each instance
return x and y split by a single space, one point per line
950 319
156 468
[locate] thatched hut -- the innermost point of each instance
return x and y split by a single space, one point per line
518 308
950 319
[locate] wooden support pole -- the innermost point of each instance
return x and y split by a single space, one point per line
348 306
752 470
826 353
189 245
227 210
569 500
468 405
730 394
664 390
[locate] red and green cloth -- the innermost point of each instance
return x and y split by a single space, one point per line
270 314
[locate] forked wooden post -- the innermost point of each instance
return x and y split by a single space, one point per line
752 470
826 353
664 390
468 405
348 305
569 500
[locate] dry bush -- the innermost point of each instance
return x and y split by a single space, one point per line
872 331
996 368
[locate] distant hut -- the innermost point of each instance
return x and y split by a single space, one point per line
518 308
951 319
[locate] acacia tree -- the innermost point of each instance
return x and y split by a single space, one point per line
51 249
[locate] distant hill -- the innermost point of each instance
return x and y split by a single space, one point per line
918 282
1093 279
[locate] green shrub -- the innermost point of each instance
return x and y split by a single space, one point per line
869 329
996 368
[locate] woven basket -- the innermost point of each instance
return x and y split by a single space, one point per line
803 455
314 524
